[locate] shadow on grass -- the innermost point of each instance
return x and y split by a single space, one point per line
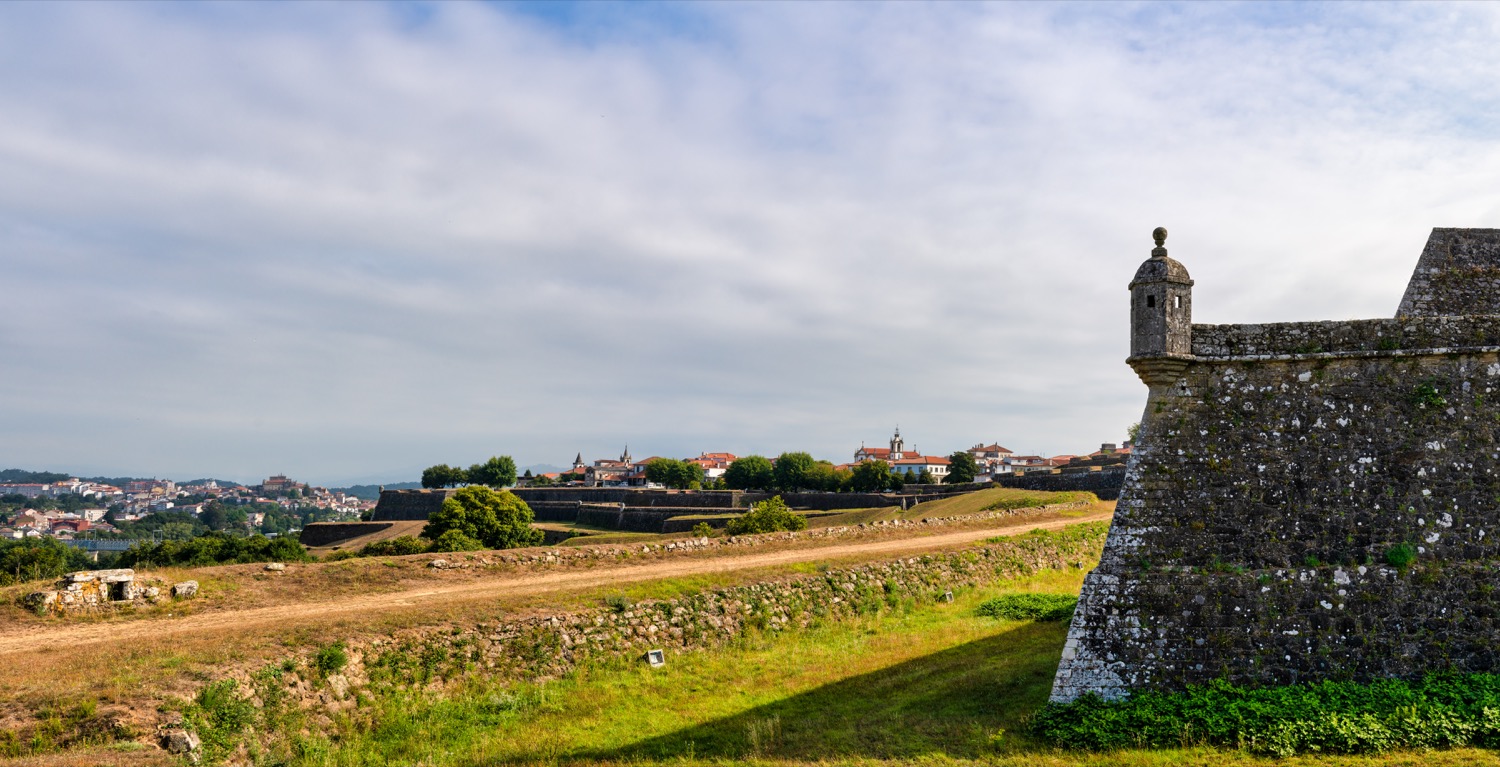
951 702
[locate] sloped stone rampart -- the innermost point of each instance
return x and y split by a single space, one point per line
1458 273
408 505
327 533
1259 515
1308 500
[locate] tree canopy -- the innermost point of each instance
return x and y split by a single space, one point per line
871 477
498 520
32 559
753 472
795 471
443 475
682 475
497 472
961 468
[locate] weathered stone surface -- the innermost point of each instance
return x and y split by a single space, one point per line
1458 273
185 590
275 567
181 741
1274 478
39 601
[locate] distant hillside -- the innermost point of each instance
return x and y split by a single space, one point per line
22 476
372 492
26 477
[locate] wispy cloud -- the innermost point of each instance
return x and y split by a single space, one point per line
348 241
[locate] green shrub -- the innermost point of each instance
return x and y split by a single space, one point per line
331 659
1401 555
768 516
617 602
456 540
1030 607
395 547
214 549
702 530
33 559
1440 711
219 715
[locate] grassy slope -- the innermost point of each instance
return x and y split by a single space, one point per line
953 506
934 684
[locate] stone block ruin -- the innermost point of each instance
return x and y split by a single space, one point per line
99 590
1307 500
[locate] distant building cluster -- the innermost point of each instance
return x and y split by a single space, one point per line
139 498
993 462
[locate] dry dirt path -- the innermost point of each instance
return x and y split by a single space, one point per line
282 616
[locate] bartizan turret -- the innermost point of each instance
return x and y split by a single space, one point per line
1161 317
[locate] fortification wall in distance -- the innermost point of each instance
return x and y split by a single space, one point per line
1280 473
398 505
1105 484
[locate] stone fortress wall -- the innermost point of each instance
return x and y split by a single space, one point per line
1281 472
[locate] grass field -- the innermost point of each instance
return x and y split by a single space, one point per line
931 685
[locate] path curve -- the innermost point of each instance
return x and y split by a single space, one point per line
533 583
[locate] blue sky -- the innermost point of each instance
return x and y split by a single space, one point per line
346 241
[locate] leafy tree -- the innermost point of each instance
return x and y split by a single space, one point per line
961 468
897 481
871 477
497 472
499 520
178 531
823 476
542 480
925 478
443 475
768 516
795 471
1133 432
673 473
753 472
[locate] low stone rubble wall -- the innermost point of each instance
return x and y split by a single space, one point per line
96 590
545 647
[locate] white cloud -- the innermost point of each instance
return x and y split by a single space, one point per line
330 241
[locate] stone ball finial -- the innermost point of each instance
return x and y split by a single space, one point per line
1160 235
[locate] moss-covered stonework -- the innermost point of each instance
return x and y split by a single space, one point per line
1280 477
